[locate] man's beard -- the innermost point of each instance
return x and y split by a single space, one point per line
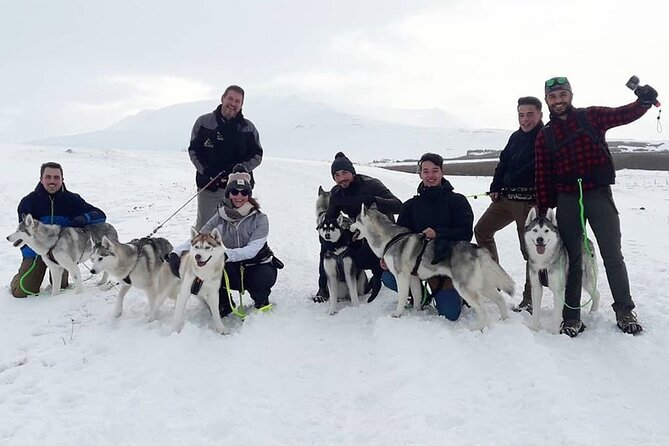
568 108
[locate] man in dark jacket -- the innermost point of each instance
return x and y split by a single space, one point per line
573 166
351 191
512 189
443 216
219 141
52 204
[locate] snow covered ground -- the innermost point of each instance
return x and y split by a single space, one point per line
70 374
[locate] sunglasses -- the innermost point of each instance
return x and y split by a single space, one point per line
244 192
556 80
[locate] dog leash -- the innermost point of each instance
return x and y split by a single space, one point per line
475 196
586 242
184 205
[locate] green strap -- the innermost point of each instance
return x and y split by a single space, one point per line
236 310
586 242
25 275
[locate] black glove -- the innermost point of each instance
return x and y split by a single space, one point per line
220 182
647 95
174 260
79 221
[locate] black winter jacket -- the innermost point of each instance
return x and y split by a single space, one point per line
516 162
363 189
217 145
56 209
441 209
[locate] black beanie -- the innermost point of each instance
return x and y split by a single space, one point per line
341 163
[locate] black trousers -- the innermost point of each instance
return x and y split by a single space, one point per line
258 280
363 257
601 213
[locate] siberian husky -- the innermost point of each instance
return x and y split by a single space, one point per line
472 269
322 203
62 247
345 280
548 261
201 272
138 263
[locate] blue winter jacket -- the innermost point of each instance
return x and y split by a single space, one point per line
57 209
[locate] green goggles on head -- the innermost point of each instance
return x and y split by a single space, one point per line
556 80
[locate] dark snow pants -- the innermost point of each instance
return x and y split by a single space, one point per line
30 276
258 280
600 211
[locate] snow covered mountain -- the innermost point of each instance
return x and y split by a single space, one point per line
292 128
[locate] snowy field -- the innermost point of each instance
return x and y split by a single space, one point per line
70 374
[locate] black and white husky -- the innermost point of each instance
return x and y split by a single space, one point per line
548 262
345 280
62 248
140 264
472 269
201 272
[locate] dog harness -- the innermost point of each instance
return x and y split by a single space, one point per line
344 241
419 257
140 244
543 277
339 262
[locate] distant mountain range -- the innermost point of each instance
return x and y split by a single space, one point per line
292 128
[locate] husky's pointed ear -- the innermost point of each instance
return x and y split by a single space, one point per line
363 209
194 232
320 190
550 216
374 206
216 235
106 243
28 219
531 215
343 221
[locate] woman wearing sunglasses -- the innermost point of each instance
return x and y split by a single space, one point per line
250 264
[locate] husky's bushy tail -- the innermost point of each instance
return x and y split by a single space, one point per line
495 276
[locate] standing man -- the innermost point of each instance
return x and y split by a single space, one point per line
219 141
52 204
350 192
573 163
512 189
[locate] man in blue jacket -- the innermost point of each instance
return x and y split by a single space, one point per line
49 203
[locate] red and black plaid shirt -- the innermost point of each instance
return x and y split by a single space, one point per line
557 172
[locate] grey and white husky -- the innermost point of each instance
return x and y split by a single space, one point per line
138 263
201 272
62 248
472 269
345 280
548 262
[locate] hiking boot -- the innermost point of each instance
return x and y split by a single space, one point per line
323 295
627 322
524 305
572 327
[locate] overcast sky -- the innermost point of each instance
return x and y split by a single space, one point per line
75 66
